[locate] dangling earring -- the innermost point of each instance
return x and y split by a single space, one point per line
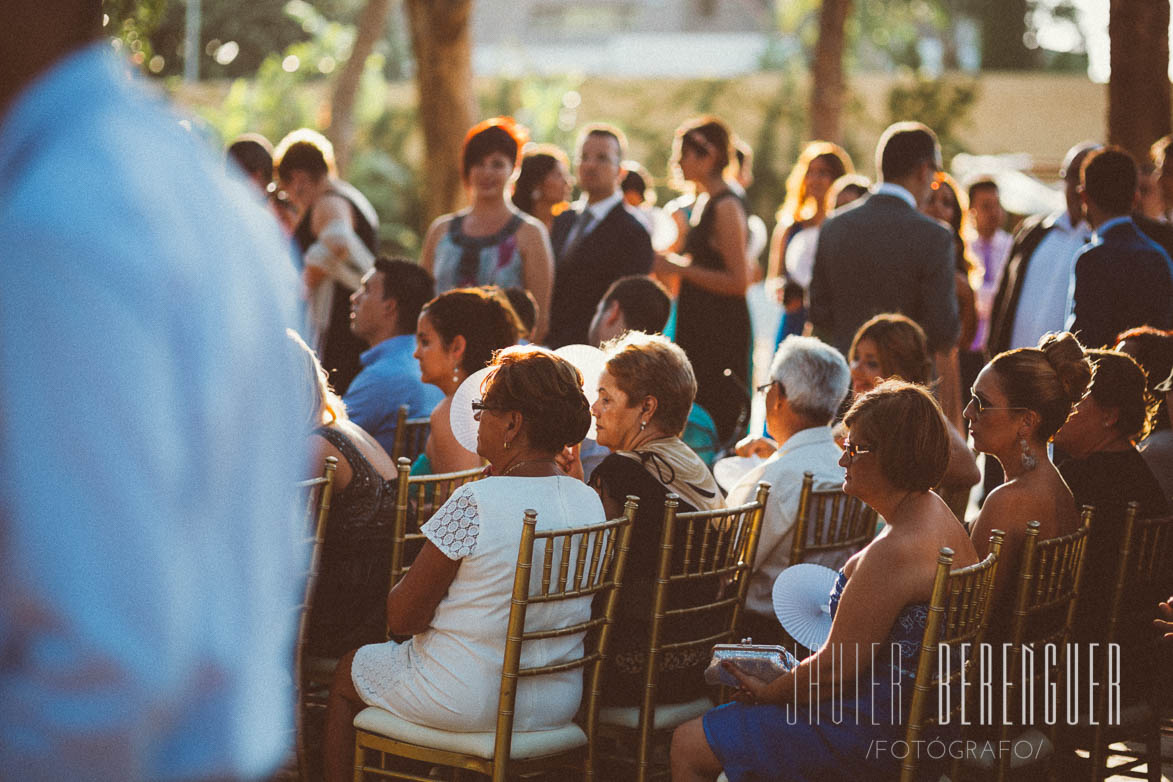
506 445
535 195
1029 462
643 425
456 374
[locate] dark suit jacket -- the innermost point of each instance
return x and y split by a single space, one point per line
1026 240
617 246
883 256
1122 279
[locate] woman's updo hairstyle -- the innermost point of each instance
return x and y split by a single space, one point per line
1048 379
539 160
1118 383
902 424
499 134
546 389
901 344
483 316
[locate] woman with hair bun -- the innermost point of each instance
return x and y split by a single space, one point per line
1017 404
490 242
455 599
543 184
456 335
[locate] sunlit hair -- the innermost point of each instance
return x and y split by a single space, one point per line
856 183
708 135
646 365
905 146
1049 379
1153 350
304 150
322 405
798 205
604 130
958 223
902 347
638 180
483 316
537 161
547 391
498 134
904 428
814 375
1118 383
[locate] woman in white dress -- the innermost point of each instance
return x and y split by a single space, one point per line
455 599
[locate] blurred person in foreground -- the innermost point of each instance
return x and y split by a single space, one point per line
808 383
795 729
337 234
454 601
1153 350
150 432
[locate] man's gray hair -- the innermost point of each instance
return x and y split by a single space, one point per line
815 376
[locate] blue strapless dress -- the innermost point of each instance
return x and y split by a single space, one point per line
834 737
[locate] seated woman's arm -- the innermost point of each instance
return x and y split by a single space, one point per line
1004 510
444 452
962 471
884 580
412 602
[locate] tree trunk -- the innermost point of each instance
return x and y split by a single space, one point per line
441 42
1138 89
828 86
371 24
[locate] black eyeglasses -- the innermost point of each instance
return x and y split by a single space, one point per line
854 449
764 388
983 406
479 406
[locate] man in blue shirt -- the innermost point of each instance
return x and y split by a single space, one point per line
383 313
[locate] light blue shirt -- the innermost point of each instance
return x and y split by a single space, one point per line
151 435
1048 283
390 377
887 188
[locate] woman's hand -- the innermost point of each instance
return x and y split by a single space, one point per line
750 689
755 446
1165 625
668 267
569 462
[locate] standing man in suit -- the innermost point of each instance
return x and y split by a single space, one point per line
597 241
884 255
1122 278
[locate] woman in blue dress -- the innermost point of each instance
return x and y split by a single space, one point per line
826 719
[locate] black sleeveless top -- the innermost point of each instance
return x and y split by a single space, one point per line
350 601
304 233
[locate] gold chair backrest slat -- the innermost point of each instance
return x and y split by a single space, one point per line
411 435
829 520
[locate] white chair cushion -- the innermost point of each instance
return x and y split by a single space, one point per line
1025 749
722 778
668 715
527 744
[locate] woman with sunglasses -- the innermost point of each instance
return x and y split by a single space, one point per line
455 599
1017 404
712 318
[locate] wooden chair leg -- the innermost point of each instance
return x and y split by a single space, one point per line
1153 745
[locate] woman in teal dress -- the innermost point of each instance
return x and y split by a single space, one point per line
896 450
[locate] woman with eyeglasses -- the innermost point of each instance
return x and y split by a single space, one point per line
455 599
456 335
1017 404
646 389
896 450
712 318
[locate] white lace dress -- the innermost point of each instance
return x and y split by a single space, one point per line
448 676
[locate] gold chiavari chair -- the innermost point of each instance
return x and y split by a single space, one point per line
958 613
319 492
417 497
1047 585
718 549
411 435
1144 577
598 553
830 521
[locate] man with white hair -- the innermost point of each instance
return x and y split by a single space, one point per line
808 381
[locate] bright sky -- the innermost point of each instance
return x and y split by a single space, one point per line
1094 22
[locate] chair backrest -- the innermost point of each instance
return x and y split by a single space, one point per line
830 521
319 492
1143 579
416 499
701 551
958 610
1048 583
598 553
411 435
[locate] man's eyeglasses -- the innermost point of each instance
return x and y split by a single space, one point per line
764 388
982 405
854 449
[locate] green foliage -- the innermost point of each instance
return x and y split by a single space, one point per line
942 104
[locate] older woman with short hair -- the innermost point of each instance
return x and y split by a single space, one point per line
455 599
896 451
645 392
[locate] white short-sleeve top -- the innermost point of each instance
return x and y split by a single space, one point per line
449 676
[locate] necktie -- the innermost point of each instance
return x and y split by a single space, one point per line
578 231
